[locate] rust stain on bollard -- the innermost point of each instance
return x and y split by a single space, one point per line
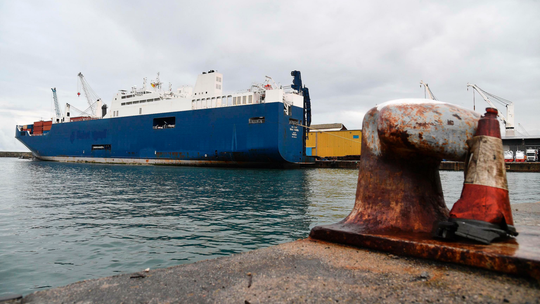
399 196
403 144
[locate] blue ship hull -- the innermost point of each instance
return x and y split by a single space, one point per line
217 136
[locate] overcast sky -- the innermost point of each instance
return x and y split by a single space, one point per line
353 55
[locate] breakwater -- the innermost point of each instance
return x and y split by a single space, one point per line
510 167
15 154
445 165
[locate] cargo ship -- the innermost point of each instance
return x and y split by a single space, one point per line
264 125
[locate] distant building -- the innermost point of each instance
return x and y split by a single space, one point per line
333 141
522 143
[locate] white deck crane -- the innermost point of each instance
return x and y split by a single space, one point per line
509 119
94 102
427 91
58 113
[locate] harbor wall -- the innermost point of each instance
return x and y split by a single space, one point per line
510 167
15 154
445 165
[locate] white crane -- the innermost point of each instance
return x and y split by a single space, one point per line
523 131
509 119
56 106
427 90
93 99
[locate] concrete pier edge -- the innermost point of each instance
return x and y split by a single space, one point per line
310 271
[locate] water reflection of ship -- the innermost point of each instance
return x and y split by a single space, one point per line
196 206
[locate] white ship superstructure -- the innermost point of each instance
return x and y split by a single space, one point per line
207 93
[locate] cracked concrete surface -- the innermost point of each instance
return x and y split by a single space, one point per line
308 271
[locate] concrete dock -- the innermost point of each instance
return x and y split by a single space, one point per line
16 154
308 271
445 165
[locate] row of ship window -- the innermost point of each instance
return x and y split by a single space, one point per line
132 95
221 101
235 100
202 103
139 101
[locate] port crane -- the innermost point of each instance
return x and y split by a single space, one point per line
427 91
93 99
56 106
523 131
509 119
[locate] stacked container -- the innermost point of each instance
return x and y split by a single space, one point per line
42 127
47 126
38 128
28 128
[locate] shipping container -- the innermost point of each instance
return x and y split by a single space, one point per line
38 129
27 128
334 143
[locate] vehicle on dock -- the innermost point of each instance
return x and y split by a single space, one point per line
264 125
532 155
520 156
508 156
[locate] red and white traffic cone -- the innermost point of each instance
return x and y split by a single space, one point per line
483 211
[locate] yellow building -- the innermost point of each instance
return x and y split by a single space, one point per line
333 140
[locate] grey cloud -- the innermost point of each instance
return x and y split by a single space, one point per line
353 55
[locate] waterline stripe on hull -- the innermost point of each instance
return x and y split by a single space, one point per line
172 162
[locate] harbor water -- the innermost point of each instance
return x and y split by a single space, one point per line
62 222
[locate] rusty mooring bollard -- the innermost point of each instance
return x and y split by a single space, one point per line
403 143
399 196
